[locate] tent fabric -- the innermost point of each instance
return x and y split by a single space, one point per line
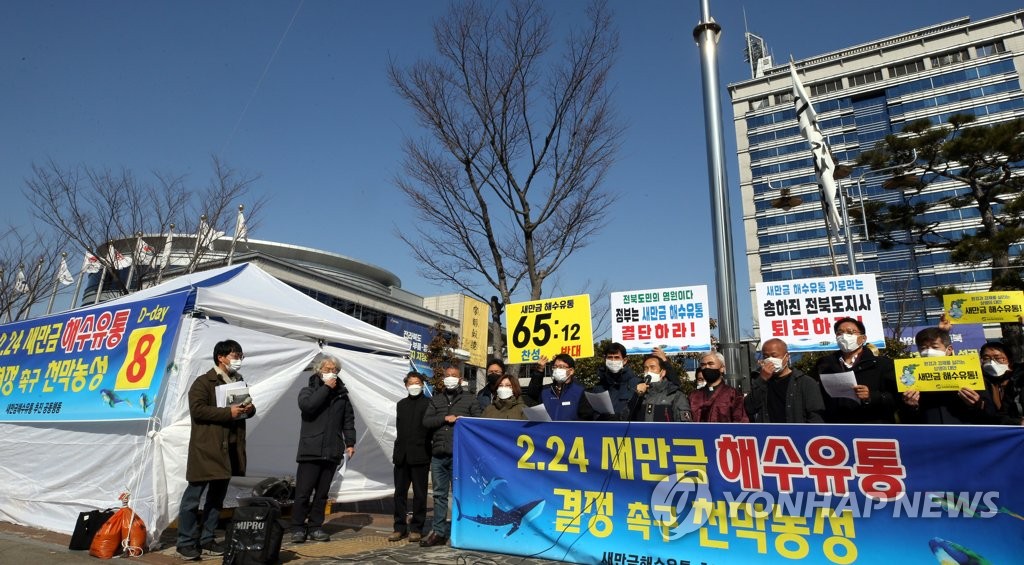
53 471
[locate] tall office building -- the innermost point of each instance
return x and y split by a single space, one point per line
862 94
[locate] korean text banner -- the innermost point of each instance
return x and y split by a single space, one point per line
674 319
965 338
618 492
104 363
419 337
476 317
801 312
944 373
545 328
984 307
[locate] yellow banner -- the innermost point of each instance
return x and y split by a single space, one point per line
982 307
549 327
476 317
929 374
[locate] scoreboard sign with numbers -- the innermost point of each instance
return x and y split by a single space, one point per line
545 328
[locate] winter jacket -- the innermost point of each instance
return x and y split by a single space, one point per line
510 409
444 404
328 422
567 402
663 401
878 374
620 386
213 433
803 399
722 404
412 442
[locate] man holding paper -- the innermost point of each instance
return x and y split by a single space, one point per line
216 450
870 396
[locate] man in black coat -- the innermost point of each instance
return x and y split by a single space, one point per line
328 433
876 390
411 459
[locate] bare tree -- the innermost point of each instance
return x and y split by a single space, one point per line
91 207
509 181
36 256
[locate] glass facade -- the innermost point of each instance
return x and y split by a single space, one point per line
856 109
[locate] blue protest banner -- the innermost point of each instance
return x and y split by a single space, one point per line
102 363
669 494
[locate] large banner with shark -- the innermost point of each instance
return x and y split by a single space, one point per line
103 363
672 494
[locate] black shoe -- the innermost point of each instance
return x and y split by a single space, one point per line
433 539
299 536
190 553
319 535
214 548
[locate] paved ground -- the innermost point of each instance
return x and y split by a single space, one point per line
359 535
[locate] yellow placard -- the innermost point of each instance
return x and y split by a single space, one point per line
929 374
136 373
982 307
548 327
476 316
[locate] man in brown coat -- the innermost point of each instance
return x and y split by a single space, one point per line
216 452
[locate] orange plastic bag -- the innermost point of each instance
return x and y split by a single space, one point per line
123 526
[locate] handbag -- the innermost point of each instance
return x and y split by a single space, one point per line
86 527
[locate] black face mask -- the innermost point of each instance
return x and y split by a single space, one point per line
491 379
711 376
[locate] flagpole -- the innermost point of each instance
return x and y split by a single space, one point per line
103 275
238 228
7 303
165 253
135 259
199 237
56 281
26 308
78 287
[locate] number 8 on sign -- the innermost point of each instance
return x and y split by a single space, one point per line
140 361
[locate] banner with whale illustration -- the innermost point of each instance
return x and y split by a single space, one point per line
622 493
102 363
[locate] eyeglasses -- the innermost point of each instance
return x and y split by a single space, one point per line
236 356
997 358
848 332
493 373
561 366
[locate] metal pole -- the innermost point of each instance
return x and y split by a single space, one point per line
706 35
828 238
850 257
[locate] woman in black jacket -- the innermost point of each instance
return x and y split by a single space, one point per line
327 434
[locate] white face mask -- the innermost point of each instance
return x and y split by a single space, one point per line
776 364
235 365
994 368
848 343
328 376
613 365
702 384
933 352
415 390
451 383
504 392
560 374
655 377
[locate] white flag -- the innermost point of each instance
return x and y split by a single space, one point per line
166 256
118 260
241 233
20 283
91 264
64 273
208 235
824 164
144 251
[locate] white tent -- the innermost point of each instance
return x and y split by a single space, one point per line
52 471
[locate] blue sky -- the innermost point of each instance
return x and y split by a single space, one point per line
164 85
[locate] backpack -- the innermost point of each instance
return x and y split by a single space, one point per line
255 533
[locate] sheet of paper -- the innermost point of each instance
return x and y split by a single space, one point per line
222 392
537 413
840 385
601 402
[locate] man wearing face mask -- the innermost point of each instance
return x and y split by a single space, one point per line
656 398
216 452
411 458
997 404
780 393
327 434
495 370
875 374
563 399
933 407
717 401
444 409
617 379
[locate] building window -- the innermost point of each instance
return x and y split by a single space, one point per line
994 48
784 97
906 68
950 58
865 78
759 103
826 87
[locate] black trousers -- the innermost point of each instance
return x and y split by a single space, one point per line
313 479
416 475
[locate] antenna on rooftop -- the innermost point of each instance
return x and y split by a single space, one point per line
756 52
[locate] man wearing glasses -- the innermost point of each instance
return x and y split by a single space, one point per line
875 390
216 452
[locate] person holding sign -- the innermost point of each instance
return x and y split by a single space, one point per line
444 410
874 396
780 393
657 399
563 400
216 452
327 434
934 407
717 402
